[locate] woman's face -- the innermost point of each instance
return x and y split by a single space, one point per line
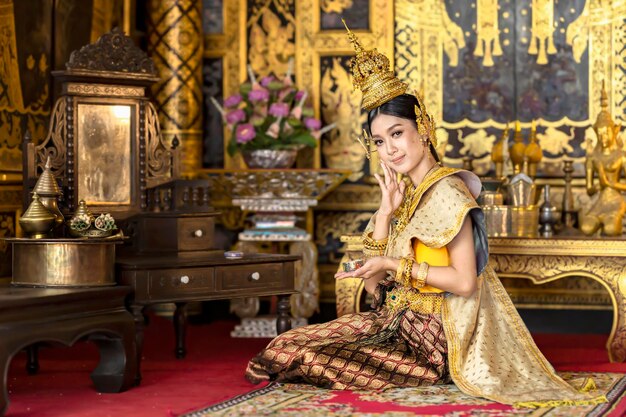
398 144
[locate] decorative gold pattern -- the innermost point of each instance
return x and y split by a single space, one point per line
175 44
335 6
341 106
487 31
577 33
104 90
273 183
14 112
419 45
423 303
541 40
543 260
271 43
312 43
352 197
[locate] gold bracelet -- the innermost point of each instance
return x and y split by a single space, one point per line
400 270
422 273
408 272
404 271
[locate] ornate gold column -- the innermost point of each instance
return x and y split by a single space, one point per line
175 43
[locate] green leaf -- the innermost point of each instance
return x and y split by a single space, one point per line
305 139
232 145
245 89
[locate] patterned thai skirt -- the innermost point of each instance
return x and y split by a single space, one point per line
402 344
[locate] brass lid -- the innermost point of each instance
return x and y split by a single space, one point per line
83 209
46 184
37 211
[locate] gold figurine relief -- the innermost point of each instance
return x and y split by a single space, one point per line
605 164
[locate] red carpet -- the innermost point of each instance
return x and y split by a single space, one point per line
211 373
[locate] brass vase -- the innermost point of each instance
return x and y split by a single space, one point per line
37 221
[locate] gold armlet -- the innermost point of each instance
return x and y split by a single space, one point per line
422 273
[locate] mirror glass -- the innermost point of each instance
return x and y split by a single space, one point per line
103 151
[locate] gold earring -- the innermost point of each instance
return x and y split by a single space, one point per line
365 143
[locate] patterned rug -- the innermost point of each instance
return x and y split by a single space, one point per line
299 400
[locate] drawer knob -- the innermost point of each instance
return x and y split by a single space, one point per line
184 279
255 276
198 233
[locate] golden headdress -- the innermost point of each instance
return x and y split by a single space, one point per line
371 75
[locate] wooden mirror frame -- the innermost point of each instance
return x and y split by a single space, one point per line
108 73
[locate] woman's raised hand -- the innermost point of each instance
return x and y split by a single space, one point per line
392 190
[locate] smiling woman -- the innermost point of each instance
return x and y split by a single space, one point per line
441 313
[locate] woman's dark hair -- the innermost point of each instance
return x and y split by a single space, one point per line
402 106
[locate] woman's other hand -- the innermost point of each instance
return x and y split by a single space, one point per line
373 271
392 190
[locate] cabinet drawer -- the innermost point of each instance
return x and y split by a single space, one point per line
196 233
250 277
175 282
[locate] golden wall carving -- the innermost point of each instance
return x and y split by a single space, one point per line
271 42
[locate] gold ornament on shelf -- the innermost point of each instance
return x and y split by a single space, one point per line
606 161
518 149
48 191
37 221
497 152
533 153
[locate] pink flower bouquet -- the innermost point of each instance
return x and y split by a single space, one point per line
269 114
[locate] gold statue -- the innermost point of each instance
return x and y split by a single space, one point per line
518 149
533 152
497 152
606 161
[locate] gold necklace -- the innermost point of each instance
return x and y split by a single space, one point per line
410 200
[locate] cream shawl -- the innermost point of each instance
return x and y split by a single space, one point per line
491 352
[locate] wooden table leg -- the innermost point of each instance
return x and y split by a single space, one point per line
117 369
32 360
180 329
283 322
5 360
137 311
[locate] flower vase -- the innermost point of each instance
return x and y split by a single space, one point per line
270 158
